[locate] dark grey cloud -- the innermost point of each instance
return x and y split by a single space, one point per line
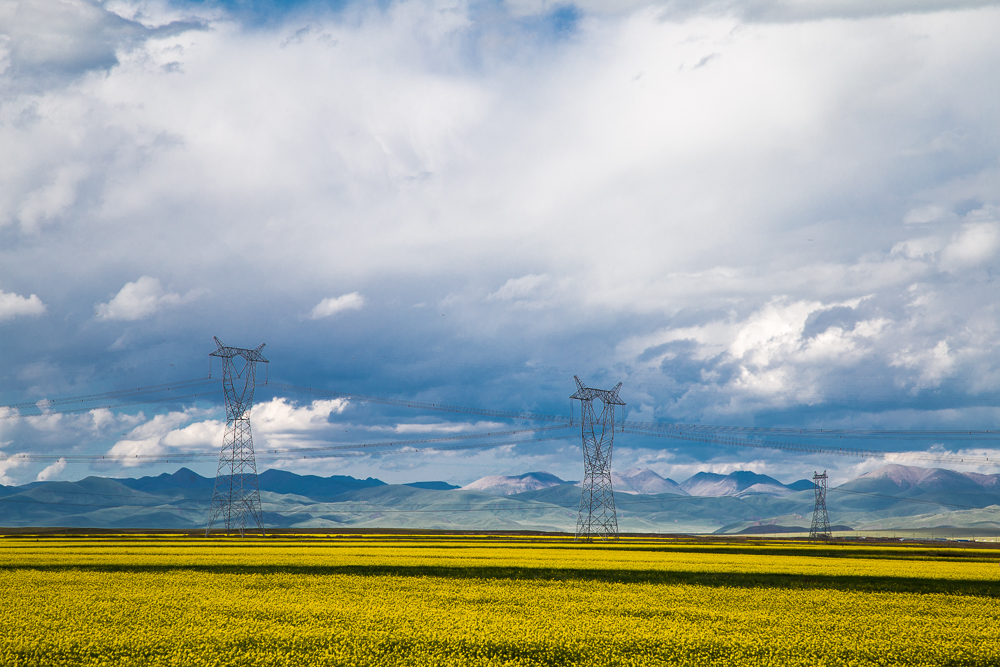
48 42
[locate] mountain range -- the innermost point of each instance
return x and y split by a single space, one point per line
893 497
646 481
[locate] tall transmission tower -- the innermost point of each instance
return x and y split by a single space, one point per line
821 520
236 497
597 499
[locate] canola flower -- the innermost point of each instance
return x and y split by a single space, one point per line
452 601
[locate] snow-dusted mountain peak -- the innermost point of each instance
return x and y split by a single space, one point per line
644 480
506 485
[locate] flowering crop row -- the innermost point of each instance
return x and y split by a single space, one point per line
367 601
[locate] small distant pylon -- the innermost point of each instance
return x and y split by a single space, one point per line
597 498
236 497
821 520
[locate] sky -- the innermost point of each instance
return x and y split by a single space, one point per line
761 213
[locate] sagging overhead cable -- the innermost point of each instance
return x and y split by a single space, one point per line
292 452
42 403
761 443
423 405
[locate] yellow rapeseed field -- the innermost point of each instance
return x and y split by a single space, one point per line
389 600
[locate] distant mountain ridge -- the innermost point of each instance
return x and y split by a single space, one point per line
741 482
275 481
896 478
889 498
926 485
646 481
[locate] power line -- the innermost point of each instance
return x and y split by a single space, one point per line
342 448
447 508
819 433
722 435
964 434
530 416
761 443
430 450
398 443
118 393
423 405
908 500
172 399
160 507
361 449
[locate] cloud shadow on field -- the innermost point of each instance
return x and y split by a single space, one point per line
859 583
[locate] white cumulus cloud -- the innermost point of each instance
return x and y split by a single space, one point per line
279 420
140 299
334 305
155 437
6 463
976 243
274 423
52 471
12 305
520 288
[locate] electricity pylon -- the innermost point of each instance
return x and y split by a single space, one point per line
821 520
597 499
236 496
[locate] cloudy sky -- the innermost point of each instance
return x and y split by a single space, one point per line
770 213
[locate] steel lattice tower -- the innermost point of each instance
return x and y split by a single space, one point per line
597 499
236 497
821 521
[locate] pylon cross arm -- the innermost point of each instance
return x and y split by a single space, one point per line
606 396
227 352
